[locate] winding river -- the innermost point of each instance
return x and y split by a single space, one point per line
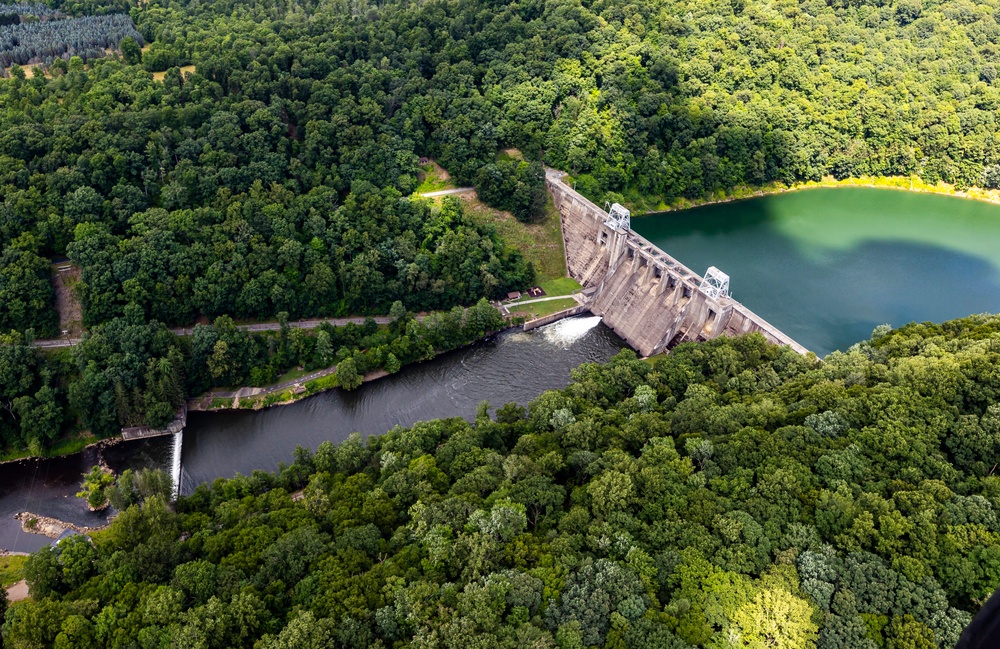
511 367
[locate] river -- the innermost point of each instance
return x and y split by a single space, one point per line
826 266
513 366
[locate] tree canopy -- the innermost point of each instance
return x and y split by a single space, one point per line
267 176
730 494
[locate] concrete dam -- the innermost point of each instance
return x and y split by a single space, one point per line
646 296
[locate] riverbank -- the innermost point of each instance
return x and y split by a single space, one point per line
276 396
645 206
51 527
71 447
290 392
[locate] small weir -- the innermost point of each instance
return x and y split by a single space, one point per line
175 461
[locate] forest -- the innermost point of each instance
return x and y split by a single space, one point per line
256 160
270 177
730 494
130 372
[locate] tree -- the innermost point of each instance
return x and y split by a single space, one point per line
4 604
135 487
95 486
43 574
348 376
131 51
590 597
775 618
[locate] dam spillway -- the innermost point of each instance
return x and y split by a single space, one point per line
646 296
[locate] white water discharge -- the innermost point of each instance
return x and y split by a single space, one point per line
566 332
175 462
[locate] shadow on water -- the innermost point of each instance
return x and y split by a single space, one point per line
707 220
827 298
47 488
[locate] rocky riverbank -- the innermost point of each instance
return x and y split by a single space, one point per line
50 527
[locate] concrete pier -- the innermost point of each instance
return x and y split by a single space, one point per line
173 428
646 296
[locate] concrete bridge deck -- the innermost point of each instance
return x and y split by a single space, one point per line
645 295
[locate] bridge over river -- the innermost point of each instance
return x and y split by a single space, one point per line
646 296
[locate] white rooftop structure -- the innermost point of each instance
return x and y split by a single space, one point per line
715 283
619 218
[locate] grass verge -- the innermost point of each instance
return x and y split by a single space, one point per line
539 309
541 243
11 570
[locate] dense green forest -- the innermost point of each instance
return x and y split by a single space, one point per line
130 372
270 178
731 494
273 178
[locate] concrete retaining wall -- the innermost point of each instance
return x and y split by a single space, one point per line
554 317
646 296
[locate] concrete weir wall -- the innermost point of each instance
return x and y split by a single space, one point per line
646 296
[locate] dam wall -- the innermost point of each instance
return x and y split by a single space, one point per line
646 296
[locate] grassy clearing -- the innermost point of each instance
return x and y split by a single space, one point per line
560 286
11 570
185 70
65 446
433 178
547 307
554 288
67 302
541 243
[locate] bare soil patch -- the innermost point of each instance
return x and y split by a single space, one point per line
18 591
65 277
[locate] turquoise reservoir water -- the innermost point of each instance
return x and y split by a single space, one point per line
826 266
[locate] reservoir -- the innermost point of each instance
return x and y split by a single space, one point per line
826 266
513 366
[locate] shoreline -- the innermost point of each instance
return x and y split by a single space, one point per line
52 527
259 401
99 444
897 183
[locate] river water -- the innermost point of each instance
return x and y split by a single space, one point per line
511 367
826 266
